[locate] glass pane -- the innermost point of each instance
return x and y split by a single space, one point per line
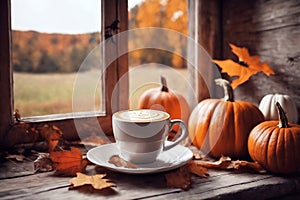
161 52
50 41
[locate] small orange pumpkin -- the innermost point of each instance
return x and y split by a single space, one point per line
166 100
222 126
276 144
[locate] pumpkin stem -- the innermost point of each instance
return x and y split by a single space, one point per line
164 87
228 91
283 120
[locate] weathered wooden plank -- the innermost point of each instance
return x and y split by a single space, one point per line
221 184
240 187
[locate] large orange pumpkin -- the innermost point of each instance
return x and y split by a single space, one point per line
166 100
276 144
222 126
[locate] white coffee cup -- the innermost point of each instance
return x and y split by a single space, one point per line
141 134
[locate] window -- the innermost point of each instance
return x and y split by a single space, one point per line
114 19
111 12
49 50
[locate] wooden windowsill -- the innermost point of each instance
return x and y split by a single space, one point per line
18 181
66 116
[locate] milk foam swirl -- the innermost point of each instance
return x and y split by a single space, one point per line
142 115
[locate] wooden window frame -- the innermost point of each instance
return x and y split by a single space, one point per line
205 28
112 11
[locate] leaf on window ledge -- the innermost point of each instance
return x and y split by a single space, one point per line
180 178
51 134
68 163
97 181
253 66
198 170
226 162
43 163
197 154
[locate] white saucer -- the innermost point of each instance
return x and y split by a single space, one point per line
167 160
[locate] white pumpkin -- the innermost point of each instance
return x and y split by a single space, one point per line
268 108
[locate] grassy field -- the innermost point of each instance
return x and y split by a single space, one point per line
42 94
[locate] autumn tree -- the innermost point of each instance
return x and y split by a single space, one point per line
171 14
42 52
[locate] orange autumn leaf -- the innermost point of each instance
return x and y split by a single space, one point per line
97 181
243 73
180 178
51 134
198 170
68 163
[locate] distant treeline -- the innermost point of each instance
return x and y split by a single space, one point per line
37 52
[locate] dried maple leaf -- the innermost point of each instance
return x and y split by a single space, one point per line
198 170
226 162
68 163
241 164
97 181
43 163
52 135
197 154
119 162
253 66
180 178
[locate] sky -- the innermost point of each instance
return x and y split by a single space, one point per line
58 16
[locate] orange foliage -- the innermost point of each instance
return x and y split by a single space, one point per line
32 50
68 163
170 14
243 72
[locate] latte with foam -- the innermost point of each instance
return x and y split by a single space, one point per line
144 115
141 134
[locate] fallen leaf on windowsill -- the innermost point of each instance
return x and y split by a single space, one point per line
198 170
51 134
97 181
43 163
68 163
226 162
120 162
180 178
197 155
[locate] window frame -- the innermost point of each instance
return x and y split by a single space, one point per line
112 10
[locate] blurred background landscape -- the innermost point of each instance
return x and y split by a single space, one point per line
45 64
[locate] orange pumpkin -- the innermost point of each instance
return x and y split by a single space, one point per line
222 126
276 144
166 100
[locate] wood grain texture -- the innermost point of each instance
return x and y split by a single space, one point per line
270 29
220 184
